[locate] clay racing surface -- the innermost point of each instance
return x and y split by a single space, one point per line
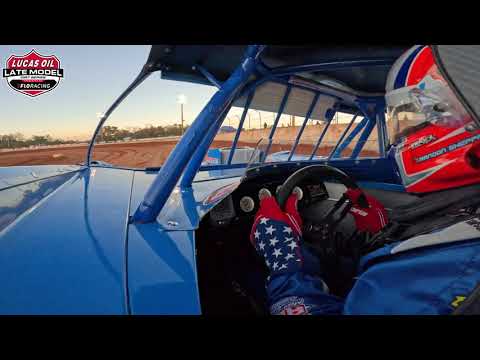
154 153
121 154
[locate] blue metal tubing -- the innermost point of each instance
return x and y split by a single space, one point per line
196 161
222 167
363 138
240 126
168 176
138 80
372 114
277 73
321 136
262 68
300 132
342 137
334 65
279 114
209 76
350 137
382 131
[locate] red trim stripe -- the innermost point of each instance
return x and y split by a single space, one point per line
420 66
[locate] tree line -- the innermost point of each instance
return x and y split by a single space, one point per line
114 133
18 140
108 133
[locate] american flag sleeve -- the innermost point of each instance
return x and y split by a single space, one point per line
276 236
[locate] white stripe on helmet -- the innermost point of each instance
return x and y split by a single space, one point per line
392 74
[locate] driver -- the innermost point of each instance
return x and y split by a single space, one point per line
426 260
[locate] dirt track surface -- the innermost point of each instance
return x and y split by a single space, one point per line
129 154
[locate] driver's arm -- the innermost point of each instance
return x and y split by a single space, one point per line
301 294
294 285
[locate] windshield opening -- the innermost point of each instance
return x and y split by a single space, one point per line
56 128
299 130
145 128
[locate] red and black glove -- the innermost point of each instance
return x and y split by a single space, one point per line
369 219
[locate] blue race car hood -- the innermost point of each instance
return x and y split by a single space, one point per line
63 240
66 244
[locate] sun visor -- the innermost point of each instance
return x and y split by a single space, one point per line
269 95
460 65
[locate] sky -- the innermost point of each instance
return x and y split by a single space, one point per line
94 76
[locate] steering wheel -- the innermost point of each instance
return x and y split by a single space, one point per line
322 231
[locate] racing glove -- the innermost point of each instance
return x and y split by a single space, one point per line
276 235
294 286
370 219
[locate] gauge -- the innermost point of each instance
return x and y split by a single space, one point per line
263 193
247 204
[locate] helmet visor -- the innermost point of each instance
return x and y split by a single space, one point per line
431 101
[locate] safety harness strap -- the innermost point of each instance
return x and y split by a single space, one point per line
430 213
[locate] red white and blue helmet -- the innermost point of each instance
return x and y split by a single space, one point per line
417 94
410 68
433 136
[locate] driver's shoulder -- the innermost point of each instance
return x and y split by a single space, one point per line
421 279
455 253
454 234
403 254
461 237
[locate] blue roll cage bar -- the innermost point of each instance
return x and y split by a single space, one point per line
187 156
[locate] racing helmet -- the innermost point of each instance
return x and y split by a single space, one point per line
435 142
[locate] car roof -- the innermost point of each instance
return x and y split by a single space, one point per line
179 62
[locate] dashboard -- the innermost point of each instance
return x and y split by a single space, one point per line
244 202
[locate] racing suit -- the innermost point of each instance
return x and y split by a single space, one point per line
426 274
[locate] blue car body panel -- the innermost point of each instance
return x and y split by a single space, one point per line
21 190
162 273
66 254
65 234
15 175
